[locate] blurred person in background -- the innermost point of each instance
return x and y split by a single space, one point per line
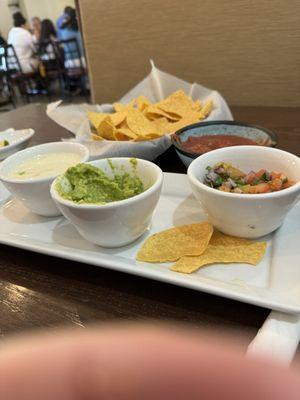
59 23
70 30
48 31
36 28
138 362
46 47
21 39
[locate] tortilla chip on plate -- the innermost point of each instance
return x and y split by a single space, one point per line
174 243
223 249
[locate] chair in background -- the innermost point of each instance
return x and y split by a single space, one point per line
26 83
74 66
6 92
51 59
6 89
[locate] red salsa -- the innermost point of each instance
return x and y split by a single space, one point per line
203 144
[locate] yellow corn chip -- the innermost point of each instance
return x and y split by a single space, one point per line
119 107
96 137
176 242
206 109
142 102
220 239
223 249
177 103
138 123
188 120
106 129
153 112
151 136
197 105
118 117
96 118
125 134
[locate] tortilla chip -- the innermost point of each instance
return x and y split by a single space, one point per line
138 123
95 136
220 239
153 112
106 129
120 107
161 126
151 136
223 249
142 102
197 105
177 103
206 109
96 118
171 244
118 117
124 134
188 120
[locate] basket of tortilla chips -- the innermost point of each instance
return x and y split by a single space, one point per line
141 122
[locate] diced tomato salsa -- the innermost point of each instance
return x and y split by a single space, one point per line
227 178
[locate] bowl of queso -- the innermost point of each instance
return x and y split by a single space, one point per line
194 140
28 174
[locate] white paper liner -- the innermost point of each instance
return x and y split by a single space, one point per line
156 86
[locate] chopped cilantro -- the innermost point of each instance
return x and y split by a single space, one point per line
219 181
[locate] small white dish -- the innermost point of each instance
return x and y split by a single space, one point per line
34 193
18 140
121 222
246 215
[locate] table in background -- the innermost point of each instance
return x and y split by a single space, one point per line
43 291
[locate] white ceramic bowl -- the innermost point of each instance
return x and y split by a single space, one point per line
120 222
246 215
18 140
35 193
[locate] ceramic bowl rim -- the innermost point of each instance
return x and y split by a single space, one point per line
113 204
4 178
12 146
273 135
237 196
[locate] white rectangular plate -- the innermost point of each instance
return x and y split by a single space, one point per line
274 283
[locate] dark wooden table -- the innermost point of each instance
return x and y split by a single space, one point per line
42 291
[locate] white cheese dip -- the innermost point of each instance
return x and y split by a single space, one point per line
45 165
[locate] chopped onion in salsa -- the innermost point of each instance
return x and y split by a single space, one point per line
227 178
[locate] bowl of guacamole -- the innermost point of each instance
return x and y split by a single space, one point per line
109 201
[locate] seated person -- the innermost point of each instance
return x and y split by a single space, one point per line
48 34
36 29
70 30
51 55
21 39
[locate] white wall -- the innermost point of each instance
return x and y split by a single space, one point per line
46 9
5 18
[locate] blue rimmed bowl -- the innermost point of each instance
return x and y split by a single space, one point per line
261 136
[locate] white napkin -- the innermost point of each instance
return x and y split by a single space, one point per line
277 339
156 86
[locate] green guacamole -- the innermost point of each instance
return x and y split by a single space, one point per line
89 184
